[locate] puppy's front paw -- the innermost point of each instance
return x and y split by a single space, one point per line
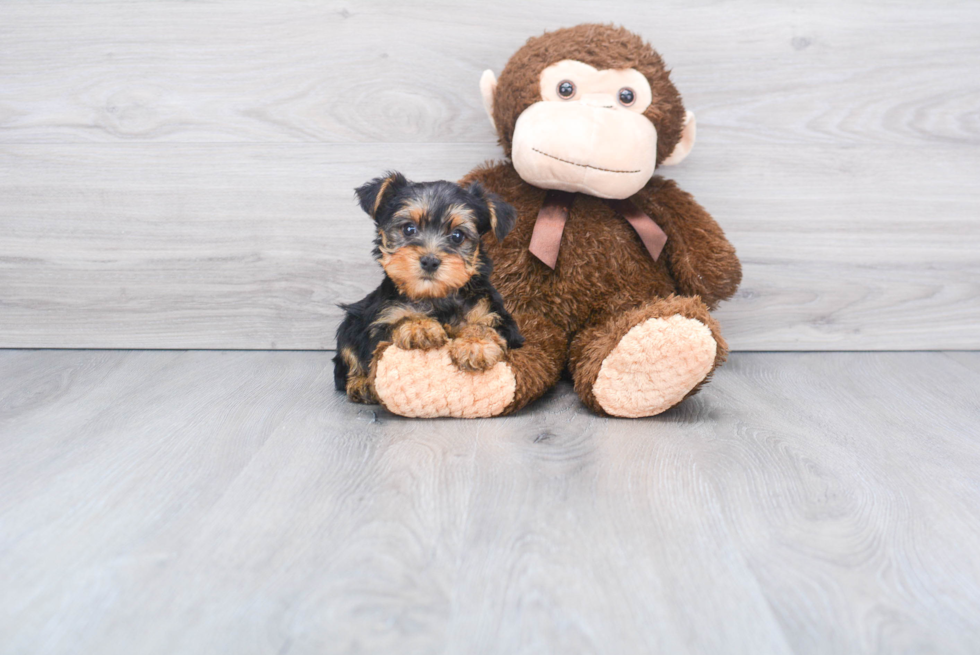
477 353
419 334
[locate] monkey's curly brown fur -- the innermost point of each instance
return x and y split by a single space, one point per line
604 282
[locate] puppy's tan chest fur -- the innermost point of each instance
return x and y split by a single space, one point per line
474 344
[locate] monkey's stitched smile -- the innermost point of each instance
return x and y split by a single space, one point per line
565 161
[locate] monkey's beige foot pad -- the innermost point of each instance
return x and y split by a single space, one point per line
426 384
654 366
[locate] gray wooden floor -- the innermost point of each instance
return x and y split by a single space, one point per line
232 502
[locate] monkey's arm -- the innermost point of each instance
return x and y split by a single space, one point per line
699 257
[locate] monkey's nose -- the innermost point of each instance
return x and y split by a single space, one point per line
429 263
603 100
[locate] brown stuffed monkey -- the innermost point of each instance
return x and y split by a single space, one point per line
611 270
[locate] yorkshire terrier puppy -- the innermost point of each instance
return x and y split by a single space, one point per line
436 288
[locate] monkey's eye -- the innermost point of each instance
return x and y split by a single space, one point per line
457 236
410 229
566 89
626 96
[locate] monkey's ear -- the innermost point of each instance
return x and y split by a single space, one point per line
683 147
488 85
499 216
374 195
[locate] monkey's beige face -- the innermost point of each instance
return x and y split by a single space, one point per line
588 133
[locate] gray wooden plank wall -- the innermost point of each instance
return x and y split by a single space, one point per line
179 175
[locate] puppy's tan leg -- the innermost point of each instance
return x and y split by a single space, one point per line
476 345
359 388
476 348
418 332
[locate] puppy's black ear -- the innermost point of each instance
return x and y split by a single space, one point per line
500 216
374 195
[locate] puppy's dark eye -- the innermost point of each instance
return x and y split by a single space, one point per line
457 236
626 96
566 89
410 229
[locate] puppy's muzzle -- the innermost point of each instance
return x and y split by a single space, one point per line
429 263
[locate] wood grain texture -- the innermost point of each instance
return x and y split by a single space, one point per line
202 502
252 246
376 71
179 175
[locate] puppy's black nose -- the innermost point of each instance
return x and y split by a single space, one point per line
430 263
